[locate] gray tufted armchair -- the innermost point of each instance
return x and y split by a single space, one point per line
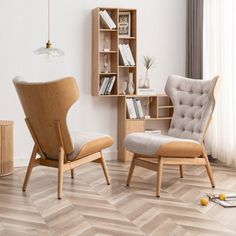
194 102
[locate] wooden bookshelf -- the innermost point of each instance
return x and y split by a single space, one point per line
111 37
106 42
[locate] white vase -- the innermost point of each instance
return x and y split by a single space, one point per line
146 81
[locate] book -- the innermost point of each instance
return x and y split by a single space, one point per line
130 108
107 86
147 91
123 55
109 19
113 78
140 109
230 200
103 85
126 55
129 54
136 108
104 20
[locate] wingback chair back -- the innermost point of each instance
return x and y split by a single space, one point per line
194 102
45 106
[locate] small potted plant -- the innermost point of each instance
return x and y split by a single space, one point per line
149 63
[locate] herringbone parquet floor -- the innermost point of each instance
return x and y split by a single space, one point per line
90 207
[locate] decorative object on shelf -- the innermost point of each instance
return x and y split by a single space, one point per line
6 147
149 63
124 24
106 63
50 51
123 87
106 46
131 86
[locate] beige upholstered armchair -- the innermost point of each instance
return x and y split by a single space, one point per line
194 102
46 106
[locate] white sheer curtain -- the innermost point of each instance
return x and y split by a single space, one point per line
220 58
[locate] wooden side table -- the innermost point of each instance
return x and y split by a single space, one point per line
6 147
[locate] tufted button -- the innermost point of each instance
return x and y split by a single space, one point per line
180 102
182 116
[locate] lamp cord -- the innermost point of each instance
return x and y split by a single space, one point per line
49 21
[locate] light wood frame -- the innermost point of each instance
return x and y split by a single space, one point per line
62 164
156 164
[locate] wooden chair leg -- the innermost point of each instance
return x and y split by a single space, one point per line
72 173
29 168
104 167
60 172
131 170
159 176
208 168
181 171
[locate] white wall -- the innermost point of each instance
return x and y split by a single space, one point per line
161 33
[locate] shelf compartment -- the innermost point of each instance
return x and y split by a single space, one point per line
114 90
108 40
124 76
113 13
133 27
111 60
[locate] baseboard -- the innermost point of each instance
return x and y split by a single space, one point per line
22 161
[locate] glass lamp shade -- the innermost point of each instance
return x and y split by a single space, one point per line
50 51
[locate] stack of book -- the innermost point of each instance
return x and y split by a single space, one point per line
126 55
147 91
134 108
107 20
106 85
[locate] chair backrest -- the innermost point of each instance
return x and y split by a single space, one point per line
45 105
194 102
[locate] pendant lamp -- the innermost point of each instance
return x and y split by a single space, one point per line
49 50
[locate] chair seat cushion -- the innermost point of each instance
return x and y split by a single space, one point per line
88 143
161 145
